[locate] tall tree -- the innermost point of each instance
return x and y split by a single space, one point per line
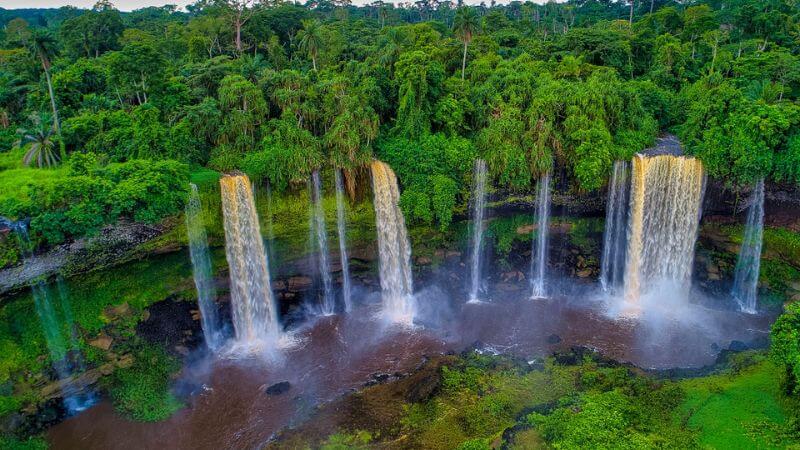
310 39
42 44
465 25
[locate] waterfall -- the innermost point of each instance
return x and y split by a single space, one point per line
201 269
319 236
613 259
665 201
255 318
341 226
745 284
539 244
394 248
63 347
478 207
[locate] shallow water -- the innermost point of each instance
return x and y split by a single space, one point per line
335 355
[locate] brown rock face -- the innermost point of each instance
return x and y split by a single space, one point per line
102 342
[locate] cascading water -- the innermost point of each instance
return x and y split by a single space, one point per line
341 226
394 248
665 201
539 245
319 236
613 260
478 209
62 345
255 318
748 265
201 264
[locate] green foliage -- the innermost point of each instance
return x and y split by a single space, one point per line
31 443
785 348
87 195
142 391
432 171
348 441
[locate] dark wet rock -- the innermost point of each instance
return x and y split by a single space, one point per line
168 324
278 388
553 339
114 244
738 346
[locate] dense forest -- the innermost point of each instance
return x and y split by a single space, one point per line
109 121
112 110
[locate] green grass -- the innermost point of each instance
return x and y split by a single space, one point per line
32 443
738 411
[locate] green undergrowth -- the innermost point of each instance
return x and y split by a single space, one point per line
742 408
581 401
88 304
32 443
142 391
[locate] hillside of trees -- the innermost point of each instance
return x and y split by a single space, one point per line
105 114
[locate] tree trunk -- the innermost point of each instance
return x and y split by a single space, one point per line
630 19
464 61
238 24
314 62
651 5
56 122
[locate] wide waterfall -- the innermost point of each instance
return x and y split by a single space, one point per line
201 264
59 332
539 244
665 205
319 237
478 209
394 248
613 260
748 265
341 226
255 318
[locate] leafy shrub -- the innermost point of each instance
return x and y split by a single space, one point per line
142 391
785 349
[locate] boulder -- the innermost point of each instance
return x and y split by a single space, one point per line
585 273
102 342
423 261
553 339
278 388
526 229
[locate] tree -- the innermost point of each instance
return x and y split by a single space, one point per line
43 45
465 26
310 39
39 137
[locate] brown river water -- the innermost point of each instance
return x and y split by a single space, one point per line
229 408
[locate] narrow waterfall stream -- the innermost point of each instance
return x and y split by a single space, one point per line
666 197
341 227
201 270
539 244
613 259
478 210
748 264
319 236
58 328
255 317
394 248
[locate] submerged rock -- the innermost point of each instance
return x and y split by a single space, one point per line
278 388
553 339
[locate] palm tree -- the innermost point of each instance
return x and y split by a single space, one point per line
309 39
43 45
42 147
465 26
